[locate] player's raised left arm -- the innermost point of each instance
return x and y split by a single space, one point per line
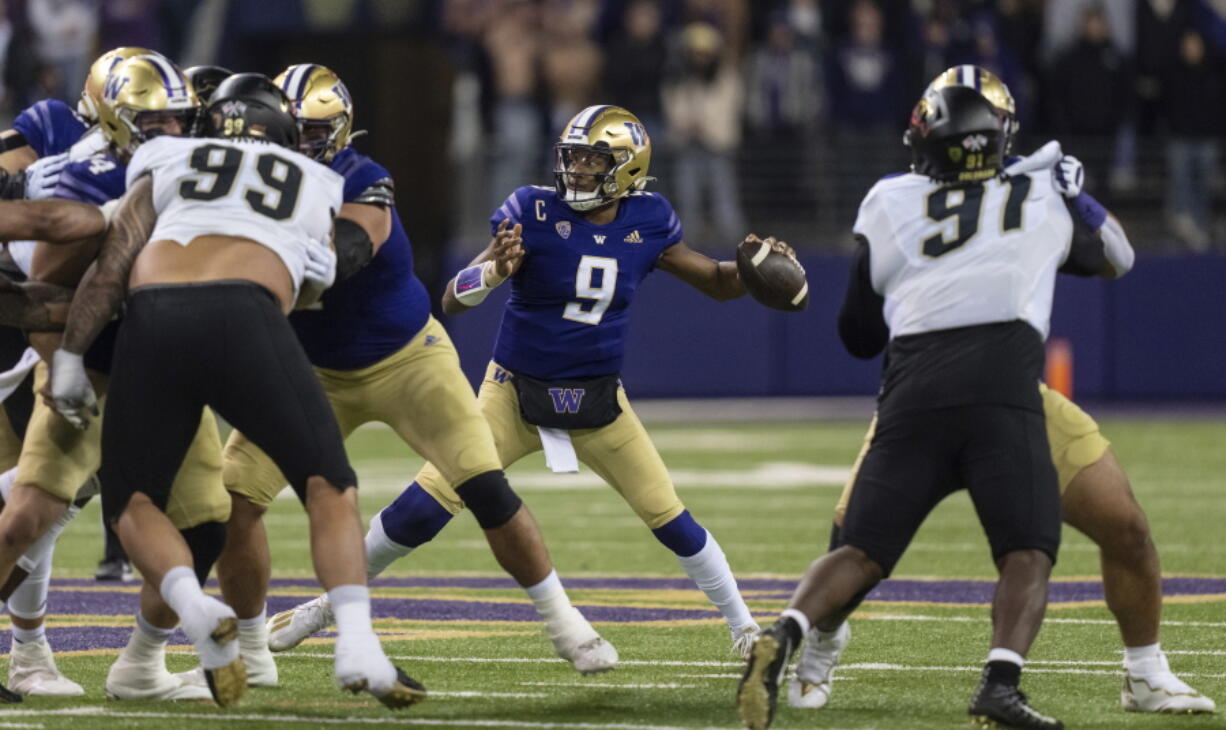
717 279
1100 246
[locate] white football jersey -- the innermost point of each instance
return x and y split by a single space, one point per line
946 256
244 188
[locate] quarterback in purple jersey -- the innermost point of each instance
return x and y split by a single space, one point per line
575 254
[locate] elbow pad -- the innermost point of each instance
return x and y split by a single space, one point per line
12 186
354 249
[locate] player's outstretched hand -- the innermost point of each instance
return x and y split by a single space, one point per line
71 393
43 175
508 250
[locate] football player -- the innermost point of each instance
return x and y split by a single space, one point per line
954 271
211 245
147 96
1095 495
575 254
381 356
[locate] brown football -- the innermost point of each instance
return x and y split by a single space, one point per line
772 278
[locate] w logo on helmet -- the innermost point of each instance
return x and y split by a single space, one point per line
114 85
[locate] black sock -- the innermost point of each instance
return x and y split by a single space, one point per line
791 629
1004 673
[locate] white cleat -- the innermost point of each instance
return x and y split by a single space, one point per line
32 672
578 643
810 688
289 628
128 680
1163 692
743 638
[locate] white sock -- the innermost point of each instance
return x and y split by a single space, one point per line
253 632
381 550
709 569
147 644
1006 655
798 617
7 480
351 607
29 636
198 616
554 607
826 635
1143 661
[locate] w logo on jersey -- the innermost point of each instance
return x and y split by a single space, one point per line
566 400
599 239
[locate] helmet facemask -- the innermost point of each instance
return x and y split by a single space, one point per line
580 182
320 139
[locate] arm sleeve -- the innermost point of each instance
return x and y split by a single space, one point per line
862 326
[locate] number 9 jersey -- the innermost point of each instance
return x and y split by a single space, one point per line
568 310
242 188
955 255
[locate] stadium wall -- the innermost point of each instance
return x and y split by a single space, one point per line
1158 333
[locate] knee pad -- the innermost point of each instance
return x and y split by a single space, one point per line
682 534
414 518
206 542
490 499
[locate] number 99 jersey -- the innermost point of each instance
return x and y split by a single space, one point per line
568 310
955 255
242 188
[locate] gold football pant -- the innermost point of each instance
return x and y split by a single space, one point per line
57 458
1075 440
620 453
418 390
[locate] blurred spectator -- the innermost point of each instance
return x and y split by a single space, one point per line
571 60
864 77
1194 103
19 66
632 70
1089 95
702 107
65 31
1062 20
513 43
729 17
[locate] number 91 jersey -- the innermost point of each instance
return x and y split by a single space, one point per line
956 255
568 310
242 188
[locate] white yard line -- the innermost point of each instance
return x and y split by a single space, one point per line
508 660
611 685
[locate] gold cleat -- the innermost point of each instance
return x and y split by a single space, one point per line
227 683
405 692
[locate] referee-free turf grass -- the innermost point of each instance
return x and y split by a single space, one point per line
766 491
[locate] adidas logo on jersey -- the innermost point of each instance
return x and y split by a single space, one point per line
634 237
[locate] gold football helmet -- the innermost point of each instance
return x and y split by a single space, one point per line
608 134
322 106
989 87
91 95
143 97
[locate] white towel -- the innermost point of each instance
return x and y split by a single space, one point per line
11 379
559 451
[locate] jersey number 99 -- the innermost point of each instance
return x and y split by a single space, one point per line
282 178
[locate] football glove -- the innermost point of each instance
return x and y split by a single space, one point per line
1068 175
71 392
43 175
320 264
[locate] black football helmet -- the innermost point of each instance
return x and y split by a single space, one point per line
958 131
251 106
205 80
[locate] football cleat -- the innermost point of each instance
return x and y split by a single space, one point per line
997 704
811 687
742 638
758 692
289 628
405 691
32 671
1163 692
128 680
577 642
227 683
261 669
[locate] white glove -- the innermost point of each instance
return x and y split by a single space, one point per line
1068 176
1041 159
320 264
71 391
43 175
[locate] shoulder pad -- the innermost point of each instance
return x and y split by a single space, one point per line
382 192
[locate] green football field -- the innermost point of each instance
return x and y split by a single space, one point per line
766 491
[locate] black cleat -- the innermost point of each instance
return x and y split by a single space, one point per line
116 569
759 688
997 704
405 693
8 696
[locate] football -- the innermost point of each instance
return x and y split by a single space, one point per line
774 279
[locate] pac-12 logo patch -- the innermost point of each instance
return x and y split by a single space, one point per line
563 228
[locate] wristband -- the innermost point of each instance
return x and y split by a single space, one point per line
474 284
